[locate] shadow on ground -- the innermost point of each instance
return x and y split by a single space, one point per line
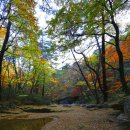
43 110
125 125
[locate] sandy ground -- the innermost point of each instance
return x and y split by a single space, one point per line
73 118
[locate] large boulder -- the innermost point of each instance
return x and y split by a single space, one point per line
117 106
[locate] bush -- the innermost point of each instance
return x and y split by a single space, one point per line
8 93
33 99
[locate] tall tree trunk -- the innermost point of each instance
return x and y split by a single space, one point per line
117 45
103 58
118 50
121 60
98 72
2 54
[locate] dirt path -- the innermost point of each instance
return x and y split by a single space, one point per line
77 118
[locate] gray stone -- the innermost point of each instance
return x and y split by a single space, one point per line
83 105
122 118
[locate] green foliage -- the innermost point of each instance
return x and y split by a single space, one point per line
33 99
9 93
93 59
81 83
79 21
26 66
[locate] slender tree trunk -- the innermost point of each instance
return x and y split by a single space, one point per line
43 90
117 46
104 71
103 58
96 73
121 60
100 63
2 54
32 89
96 92
97 78
87 83
94 80
9 96
43 86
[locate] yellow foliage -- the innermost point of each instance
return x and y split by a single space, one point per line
54 80
81 83
8 73
2 32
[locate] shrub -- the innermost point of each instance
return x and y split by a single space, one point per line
33 99
8 93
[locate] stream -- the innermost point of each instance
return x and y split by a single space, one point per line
23 124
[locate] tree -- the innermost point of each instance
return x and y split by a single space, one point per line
21 24
80 26
78 21
112 8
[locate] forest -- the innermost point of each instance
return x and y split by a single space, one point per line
94 34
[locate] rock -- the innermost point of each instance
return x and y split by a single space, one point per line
122 118
127 108
83 105
66 105
117 106
98 106
91 106
105 105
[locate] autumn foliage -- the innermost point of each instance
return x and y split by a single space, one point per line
111 53
112 59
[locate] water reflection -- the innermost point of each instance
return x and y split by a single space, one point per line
23 124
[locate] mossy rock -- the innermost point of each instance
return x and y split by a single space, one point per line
120 104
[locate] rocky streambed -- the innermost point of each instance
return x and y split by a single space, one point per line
61 118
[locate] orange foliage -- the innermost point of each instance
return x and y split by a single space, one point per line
114 88
112 58
111 53
125 48
89 76
127 78
117 85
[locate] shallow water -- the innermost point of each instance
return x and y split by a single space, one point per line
23 124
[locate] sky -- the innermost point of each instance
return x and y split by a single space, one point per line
123 19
